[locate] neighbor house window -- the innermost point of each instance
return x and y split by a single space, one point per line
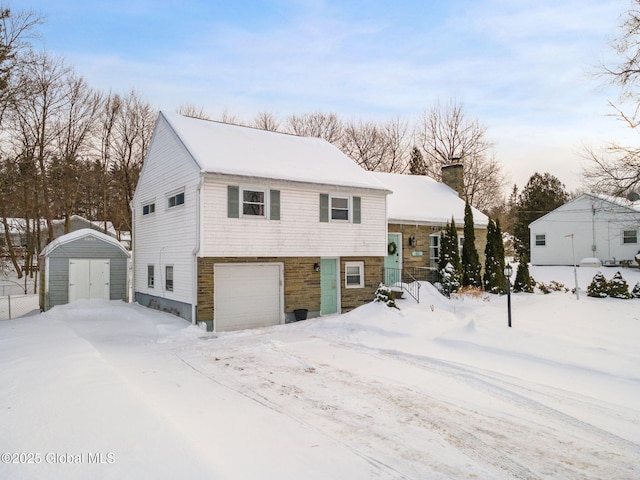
148 208
354 274
175 200
339 208
541 240
253 202
150 276
168 281
460 244
434 250
630 236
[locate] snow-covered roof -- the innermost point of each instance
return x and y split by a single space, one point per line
632 208
84 232
237 150
623 202
420 199
19 225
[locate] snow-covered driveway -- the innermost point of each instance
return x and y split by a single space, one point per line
439 390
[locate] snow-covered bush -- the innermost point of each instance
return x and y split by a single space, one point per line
449 280
618 287
635 293
385 295
599 287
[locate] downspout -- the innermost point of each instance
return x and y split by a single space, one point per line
196 252
132 287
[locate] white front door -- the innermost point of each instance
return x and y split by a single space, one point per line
88 278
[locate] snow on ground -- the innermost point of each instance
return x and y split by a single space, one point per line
439 390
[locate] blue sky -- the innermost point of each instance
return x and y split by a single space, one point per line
523 68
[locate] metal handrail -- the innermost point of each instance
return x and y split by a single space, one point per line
396 277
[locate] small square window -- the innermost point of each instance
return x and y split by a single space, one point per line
148 209
630 236
541 240
168 282
253 203
150 276
339 208
175 200
354 274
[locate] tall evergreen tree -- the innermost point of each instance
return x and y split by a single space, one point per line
494 280
523 282
449 261
470 260
417 166
541 194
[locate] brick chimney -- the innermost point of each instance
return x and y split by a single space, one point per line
452 175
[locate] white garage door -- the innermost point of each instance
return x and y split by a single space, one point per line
247 295
88 278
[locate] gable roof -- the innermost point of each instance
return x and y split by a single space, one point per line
83 232
420 199
237 150
618 203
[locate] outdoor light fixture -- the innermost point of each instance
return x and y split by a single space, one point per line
316 267
508 270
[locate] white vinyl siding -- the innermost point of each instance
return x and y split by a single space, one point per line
597 226
299 231
168 237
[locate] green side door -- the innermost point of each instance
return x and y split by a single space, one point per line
328 286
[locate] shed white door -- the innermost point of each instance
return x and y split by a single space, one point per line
247 295
89 278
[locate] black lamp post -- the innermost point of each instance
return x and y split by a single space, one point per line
508 270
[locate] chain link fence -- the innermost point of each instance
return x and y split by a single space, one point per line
14 306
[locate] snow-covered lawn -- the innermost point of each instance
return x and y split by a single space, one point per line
439 390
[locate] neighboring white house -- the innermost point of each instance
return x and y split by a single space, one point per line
602 227
241 227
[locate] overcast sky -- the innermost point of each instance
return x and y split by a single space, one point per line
524 69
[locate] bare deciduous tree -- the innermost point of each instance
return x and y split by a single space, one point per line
615 168
444 133
190 110
317 124
266 121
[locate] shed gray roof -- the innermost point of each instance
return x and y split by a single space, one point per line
84 232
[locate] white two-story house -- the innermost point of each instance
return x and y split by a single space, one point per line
240 227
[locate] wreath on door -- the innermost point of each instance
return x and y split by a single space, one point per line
392 248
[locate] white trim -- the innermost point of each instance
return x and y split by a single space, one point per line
174 194
360 266
535 239
266 203
349 199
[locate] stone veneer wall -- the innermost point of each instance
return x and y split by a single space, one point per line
301 282
422 233
373 276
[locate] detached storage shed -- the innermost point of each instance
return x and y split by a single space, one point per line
84 264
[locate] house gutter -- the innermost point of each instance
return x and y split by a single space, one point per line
196 251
